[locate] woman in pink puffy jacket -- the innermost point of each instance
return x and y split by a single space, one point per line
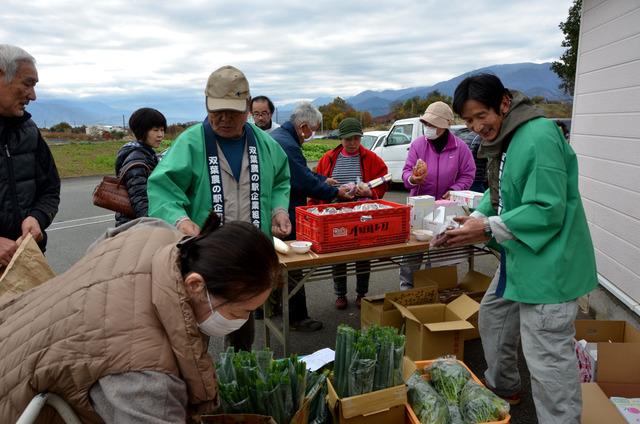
450 164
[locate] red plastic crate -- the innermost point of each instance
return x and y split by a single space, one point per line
353 230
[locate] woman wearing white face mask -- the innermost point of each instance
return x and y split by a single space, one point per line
449 162
437 163
121 335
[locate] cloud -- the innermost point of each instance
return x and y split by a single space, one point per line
287 49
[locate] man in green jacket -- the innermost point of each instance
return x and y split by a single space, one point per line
226 165
534 211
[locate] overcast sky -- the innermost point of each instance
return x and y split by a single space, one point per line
288 49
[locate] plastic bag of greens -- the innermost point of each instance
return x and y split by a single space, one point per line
345 339
448 377
263 361
233 399
298 378
363 367
275 405
455 416
317 392
382 337
427 404
224 368
398 354
478 404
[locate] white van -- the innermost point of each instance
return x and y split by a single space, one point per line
373 139
395 148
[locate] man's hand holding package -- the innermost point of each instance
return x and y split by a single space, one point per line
471 231
345 192
363 190
30 225
280 224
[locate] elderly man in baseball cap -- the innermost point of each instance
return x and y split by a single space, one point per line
226 165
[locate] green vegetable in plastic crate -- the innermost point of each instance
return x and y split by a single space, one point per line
478 404
448 377
428 405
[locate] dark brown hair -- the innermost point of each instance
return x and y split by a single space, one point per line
484 88
143 120
236 260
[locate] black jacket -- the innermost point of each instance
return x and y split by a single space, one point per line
136 178
29 181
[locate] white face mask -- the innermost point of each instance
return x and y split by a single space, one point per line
313 133
306 140
430 132
217 325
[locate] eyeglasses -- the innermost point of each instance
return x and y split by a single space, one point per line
261 114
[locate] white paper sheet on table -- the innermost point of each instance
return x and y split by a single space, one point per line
319 358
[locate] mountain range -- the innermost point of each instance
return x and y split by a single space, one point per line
533 79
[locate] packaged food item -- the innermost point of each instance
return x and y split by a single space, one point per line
420 168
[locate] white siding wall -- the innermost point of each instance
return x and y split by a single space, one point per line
605 133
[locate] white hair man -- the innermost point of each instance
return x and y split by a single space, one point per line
31 196
305 119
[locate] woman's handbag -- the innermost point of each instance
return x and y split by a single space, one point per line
112 194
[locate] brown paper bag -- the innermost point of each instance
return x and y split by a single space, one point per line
28 268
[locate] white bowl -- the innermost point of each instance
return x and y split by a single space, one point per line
300 246
423 235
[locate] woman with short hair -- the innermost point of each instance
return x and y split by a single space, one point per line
137 159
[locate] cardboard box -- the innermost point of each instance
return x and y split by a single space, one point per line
596 333
421 206
606 331
468 198
618 375
436 330
474 284
379 407
380 309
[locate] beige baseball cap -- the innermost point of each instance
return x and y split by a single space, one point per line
438 114
227 89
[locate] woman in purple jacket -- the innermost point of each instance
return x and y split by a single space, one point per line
449 166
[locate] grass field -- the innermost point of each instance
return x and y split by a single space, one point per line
81 159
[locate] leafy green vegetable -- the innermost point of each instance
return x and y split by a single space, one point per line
479 404
428 405
448 377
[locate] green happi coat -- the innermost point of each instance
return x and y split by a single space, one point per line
552 258
179 186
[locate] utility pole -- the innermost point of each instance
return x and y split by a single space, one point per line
123 127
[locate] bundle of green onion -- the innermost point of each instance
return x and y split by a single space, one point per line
252 382
367 361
